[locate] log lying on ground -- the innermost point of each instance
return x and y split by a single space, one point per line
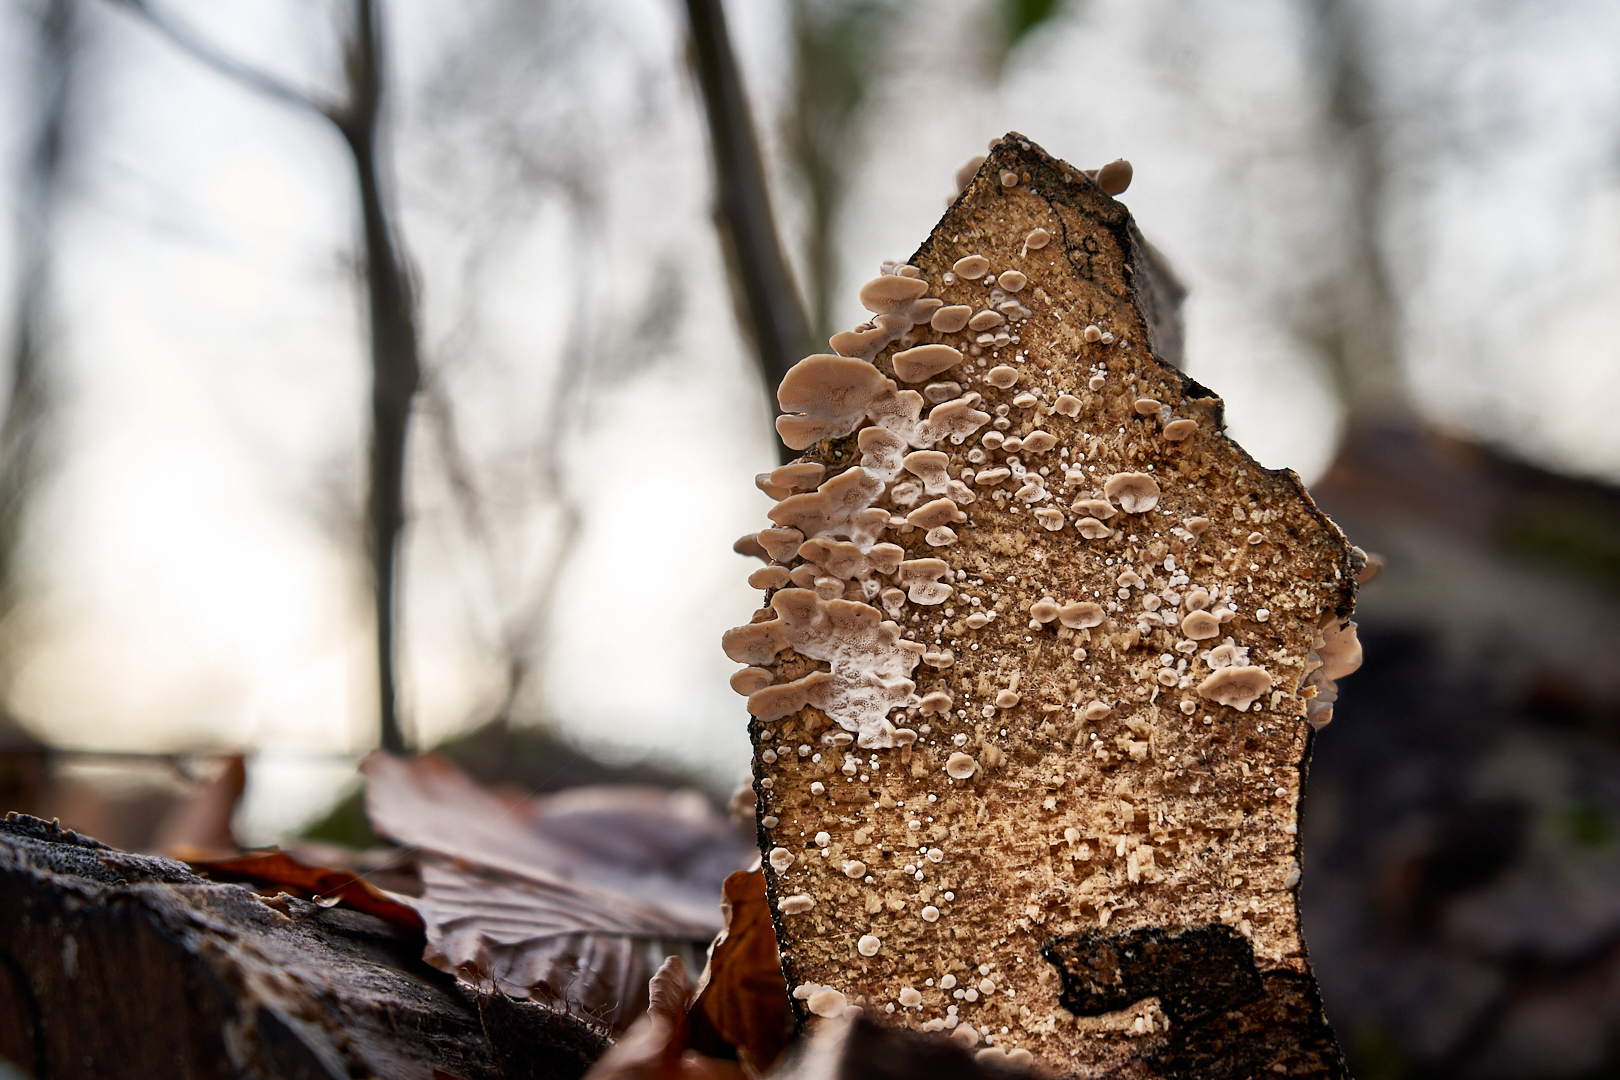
122 965
1039 667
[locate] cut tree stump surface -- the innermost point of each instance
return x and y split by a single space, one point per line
120 965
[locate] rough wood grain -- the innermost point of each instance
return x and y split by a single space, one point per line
121 965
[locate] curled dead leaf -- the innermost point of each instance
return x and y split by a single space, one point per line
280 870
655 1047
741 996
573 899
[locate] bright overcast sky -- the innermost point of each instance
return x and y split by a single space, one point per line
196 582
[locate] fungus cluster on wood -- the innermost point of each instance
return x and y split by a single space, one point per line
1055 647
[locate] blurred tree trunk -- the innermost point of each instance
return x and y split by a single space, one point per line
396 372
1355 321
762 283
390 296
25 429
838 47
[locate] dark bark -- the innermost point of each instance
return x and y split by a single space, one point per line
762 282
864 1049
121 965
1226 1019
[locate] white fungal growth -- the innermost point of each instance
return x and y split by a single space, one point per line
781 859
960 766
828 1003
855 869
796 905
870 663
931 914
868 945
948 982
823 839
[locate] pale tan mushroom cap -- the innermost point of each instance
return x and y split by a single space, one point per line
1136 492
924 362
1115 177
891 291
1235 687
830 394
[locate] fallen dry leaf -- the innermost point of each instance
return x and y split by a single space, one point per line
742 996
547 940
655 1047
573 899
668 850
856 1047
280 869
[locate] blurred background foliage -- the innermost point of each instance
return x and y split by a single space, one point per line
1400 228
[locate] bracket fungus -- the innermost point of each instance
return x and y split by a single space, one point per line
1066 703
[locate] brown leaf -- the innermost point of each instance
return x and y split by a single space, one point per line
548 940
742 996
574 898
279 869
655 1046
666 851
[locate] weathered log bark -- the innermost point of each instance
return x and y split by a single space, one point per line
122 965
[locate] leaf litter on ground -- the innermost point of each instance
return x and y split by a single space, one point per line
573 899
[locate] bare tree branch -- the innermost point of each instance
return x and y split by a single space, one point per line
391 300
396 370
186 37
